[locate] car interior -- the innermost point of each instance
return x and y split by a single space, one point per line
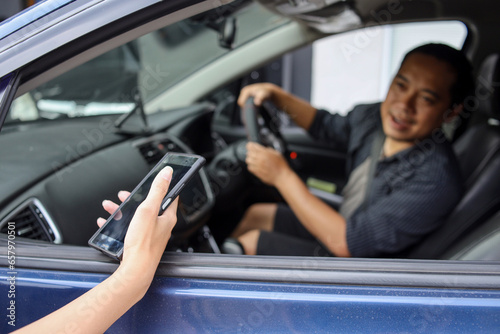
85 125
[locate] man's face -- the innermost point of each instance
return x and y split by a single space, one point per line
418 99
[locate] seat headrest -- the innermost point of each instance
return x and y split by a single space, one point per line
488 87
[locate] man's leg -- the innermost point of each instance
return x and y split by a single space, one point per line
284 234
249 241
257 217
246 235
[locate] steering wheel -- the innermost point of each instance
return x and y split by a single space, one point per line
262 125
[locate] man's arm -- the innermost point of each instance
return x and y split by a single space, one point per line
323 222
300 111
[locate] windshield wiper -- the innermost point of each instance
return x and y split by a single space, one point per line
138 109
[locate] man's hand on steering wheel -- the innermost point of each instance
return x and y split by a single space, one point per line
263 124
266 163
260 93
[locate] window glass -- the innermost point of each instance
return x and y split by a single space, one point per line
139 71
358 66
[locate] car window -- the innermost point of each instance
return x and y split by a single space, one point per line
343 70
358 66
139 71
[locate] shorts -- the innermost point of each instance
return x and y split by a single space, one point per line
289 237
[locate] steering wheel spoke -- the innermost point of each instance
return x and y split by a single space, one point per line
263 125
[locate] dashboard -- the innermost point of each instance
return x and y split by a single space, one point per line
55 174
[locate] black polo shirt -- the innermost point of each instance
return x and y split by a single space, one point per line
412 192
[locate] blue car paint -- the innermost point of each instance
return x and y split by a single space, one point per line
179 305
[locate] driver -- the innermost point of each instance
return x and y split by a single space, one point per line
397 192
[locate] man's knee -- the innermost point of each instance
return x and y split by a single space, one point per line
257 217
253 211
260 216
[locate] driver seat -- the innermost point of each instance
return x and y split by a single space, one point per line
478 153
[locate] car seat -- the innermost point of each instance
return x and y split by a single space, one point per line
478 153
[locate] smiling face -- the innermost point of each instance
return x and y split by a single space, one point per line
419 99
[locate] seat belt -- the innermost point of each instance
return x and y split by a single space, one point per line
377 146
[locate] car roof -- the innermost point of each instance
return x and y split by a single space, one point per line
53 23
29 15
43 28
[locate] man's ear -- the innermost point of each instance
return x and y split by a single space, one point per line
451 113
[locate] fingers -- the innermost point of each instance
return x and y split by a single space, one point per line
159 188
244 95
158 191
109 206
254 147
254 152
100 221
173 206
259 91
255 156
123 195
170 215
260 97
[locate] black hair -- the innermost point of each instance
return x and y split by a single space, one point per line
464 84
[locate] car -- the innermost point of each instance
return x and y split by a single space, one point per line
94 93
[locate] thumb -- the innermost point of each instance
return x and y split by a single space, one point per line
159 187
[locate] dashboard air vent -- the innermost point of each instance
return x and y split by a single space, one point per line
30 220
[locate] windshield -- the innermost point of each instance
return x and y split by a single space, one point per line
142 69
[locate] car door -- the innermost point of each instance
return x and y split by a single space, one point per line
207 293
228 293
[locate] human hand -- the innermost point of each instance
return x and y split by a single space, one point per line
145 242
148 233
111 207
266 163
259 91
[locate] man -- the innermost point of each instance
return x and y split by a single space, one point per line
414 182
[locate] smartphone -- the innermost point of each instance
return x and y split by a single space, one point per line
110 237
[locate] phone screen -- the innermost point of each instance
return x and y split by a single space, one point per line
111 236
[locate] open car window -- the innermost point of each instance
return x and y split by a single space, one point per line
141 70
344 71
358 66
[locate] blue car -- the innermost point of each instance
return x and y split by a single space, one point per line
94 93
